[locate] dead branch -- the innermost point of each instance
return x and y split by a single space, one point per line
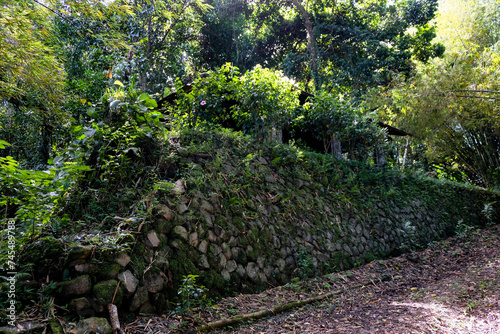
278 309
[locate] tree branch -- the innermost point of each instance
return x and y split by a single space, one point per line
278 309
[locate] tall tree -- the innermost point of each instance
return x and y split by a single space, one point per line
343 45
451 105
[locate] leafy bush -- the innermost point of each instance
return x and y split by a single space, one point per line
257 102
327 118
191 294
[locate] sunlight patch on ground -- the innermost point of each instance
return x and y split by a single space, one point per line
452 320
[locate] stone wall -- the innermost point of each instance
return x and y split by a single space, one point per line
256 235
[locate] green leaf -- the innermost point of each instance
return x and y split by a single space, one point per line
113 105
119 83
3 143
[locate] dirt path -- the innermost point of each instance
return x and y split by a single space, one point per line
451 287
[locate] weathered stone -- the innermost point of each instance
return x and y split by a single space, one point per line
280 263
122 259
147 309
129 281
241 270
87 268
82 307
77 287
220 232
290 261
225 275
208 218
222 260
108 292
215 249
276 242
159 301
193 239
203 247
252 271
261 262
204 262
206 206
165 212
141 296
182 208
154 280
152 239
262 277
226 250
181 232
231 266
79 252
94 326
347 249
211 236
110 270
179 187
55 326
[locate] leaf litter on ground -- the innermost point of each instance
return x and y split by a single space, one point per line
450 287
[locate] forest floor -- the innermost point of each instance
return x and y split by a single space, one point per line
451 287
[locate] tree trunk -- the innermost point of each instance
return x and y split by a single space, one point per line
311 43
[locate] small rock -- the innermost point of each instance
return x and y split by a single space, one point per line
87 268
204 262
154 280
193 239
152 239
252 270
241 271
122 259
140 297
222 260
147 309
129 281
82 307
181 232
181 208
78 252
203 247
261 261
165 212
179 187
94 326
77 287
225 275
207 217
206 206
108 292
231 266
215 249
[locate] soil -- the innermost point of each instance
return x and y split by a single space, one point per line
452 286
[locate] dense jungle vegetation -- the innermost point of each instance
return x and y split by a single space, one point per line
90 90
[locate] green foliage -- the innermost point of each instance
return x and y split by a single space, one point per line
304 264
328 118
27 62
257 102
358 44
191 295
36 195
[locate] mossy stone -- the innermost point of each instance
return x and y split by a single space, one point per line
110 270
94 326
108 292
